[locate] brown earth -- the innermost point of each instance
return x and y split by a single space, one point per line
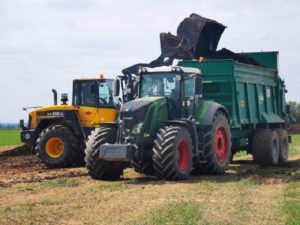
19 165
294 129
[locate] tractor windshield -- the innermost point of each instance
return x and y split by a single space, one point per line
160 84
93 93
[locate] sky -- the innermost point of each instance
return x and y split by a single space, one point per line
45 44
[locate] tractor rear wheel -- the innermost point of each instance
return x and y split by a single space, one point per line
99 168
265 147
57 146
216 144
283 146
172 153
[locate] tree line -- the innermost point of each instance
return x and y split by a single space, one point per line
295 110
9 125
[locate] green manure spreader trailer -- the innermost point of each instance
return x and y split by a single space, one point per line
192 118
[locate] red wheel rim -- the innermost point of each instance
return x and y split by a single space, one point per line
182 154
221 144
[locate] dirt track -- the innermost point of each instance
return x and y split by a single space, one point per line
18 165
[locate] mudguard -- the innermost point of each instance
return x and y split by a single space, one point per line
70 118
206 111
109 124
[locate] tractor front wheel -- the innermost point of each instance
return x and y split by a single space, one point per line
99 168
172 153
143 166
57 147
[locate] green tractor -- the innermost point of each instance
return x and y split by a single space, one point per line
194 116
167 131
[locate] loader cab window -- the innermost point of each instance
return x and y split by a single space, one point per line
93 93
105 97
84 93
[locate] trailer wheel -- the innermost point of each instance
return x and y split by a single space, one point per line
283 146
144 167
172 153
99 168
265 147
57 146
216 144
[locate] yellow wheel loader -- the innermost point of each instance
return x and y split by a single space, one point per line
58 132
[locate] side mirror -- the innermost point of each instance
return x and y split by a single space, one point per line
198 85
116 87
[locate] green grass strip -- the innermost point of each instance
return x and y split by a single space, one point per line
291 204
10 137
177 213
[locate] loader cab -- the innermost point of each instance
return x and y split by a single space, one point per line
181 86
94 101
93 93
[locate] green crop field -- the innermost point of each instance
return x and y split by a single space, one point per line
9 137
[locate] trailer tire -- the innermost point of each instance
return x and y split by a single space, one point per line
99 168
283 146
215 141
172 153
265 147
58 147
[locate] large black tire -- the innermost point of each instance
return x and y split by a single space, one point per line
265 147
216 143
144 167
283 146
58 147
172 153
99 168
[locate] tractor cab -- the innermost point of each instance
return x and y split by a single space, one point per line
181 86
163 94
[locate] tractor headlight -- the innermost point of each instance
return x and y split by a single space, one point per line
137 128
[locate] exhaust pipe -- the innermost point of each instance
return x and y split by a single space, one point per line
54 96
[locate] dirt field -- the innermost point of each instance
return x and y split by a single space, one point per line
294 129
246 194
18 165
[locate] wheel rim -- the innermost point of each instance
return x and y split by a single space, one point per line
182 155
221 144
55 147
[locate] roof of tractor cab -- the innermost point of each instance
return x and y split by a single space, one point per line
165 69
89 78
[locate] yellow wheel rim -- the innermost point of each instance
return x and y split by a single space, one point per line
55 147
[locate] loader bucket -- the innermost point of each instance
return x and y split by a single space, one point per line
196 36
